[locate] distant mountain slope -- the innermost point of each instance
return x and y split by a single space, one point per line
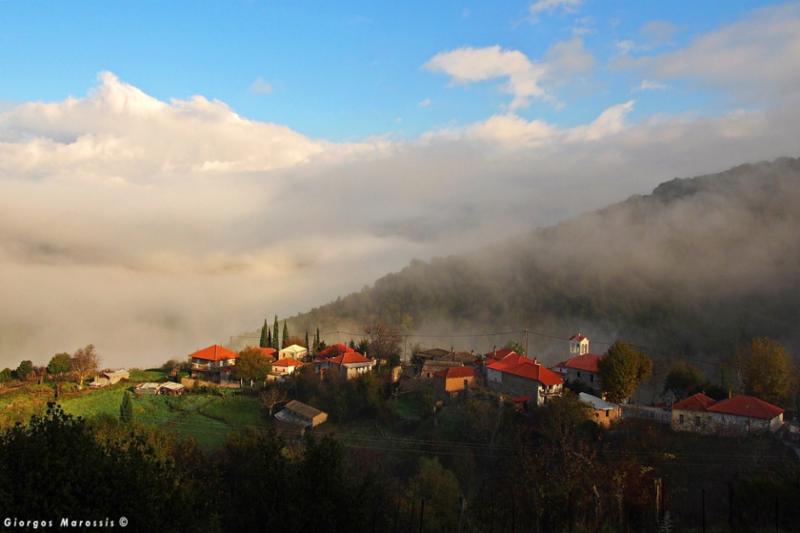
693 268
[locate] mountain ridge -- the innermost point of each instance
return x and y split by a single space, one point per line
693 268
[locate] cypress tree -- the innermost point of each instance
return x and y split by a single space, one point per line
269 338
126 409
308 346
316 340
264 341
275 339
285 333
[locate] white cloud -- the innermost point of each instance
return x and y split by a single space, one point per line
260 86
548 6
648 85
756 58
569 58
154 227
658 32
426 102
470 65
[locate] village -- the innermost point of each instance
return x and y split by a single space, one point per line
443 404
515 379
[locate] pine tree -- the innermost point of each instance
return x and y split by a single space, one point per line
285 333
269 338
275 339
126 409
264 341
316 340
308 346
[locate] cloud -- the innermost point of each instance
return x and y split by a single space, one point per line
549 6
470 65
154 227
756 58
648 85
260 86
426 102
658 32
567 59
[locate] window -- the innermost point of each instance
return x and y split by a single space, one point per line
591 378
697 421
579 374
680 419
607 411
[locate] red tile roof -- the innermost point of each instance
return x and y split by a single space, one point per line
749 406
456 372
586 362
349 358
521 366
267 352
214 353
333 350
508 361
695 402
499 354
287 362
577 337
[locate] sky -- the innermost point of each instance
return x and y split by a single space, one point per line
171 173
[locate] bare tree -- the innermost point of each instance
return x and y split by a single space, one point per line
85 362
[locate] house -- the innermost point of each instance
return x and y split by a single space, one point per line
285 367
109 377
517 375
498 355
431 367
294 351
582 366
333 350
213 363
578 344
604 413
420 357
170 388
147 388
349 365
736 415
448 382
301 414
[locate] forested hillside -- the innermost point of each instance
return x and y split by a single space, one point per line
693 268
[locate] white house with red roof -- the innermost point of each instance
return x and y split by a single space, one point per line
578 344
519 376
582 365
736 415
212 363
348 365
284 367
294 351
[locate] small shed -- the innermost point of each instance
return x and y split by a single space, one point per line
109 377
170 388
301 414
149 387
605 413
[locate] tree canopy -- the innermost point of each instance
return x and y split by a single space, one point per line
252 365
766 370
683 379
85 362
59 364
24 369
622 370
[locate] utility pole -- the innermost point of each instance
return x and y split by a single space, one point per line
703 503
526 341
